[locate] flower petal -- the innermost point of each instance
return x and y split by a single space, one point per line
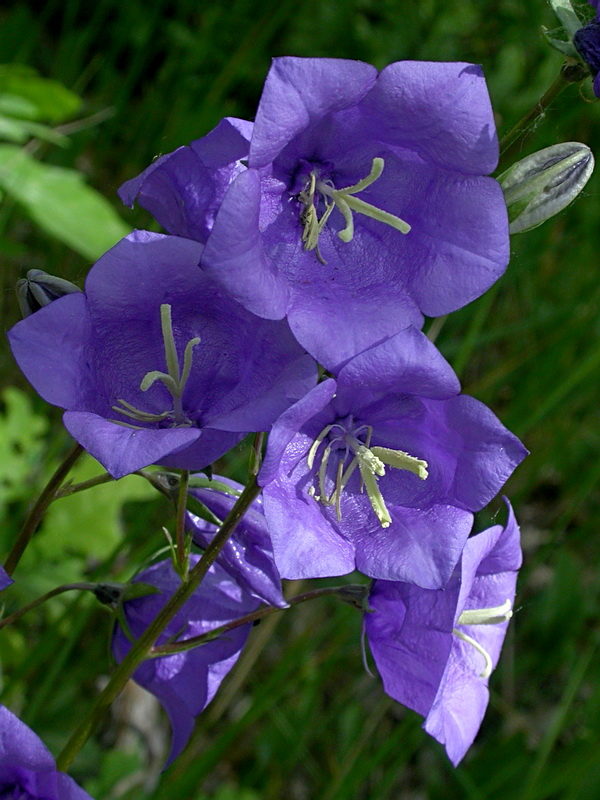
123 450
184 189
441 110
49 346
234 254
299 92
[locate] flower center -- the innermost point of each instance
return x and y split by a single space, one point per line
370 461
173 380
345 202
483 616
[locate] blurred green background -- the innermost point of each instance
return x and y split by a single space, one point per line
301 719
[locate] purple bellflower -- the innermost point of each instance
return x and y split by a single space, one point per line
27 769
380 469
248 554
185 683
154 364
435 650
365 203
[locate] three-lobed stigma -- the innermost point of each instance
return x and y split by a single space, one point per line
371 463
173 380
345 201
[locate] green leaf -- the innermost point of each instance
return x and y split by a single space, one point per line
21 444
61 203
19 130
89 523
49 100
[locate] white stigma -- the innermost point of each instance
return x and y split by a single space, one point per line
173 380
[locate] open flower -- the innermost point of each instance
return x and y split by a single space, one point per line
27 769
186 682
380 469
248 553
435 650
365 203
154 364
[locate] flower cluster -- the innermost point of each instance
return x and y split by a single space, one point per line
321 234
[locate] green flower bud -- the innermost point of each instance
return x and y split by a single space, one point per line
38 289
542 184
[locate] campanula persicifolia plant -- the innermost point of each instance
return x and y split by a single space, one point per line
286 300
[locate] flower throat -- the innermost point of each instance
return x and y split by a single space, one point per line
173 380
346 203
371 462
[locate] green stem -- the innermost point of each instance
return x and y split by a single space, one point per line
142 647
571 72
74 488
39 509
180 524
265 611
256 454
67 587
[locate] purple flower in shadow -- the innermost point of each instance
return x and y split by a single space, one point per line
435 650
27 769
248 554
185 683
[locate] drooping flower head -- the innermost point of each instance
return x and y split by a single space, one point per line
27 769
364 205
185 683
248 553
435 650
154 364
380 469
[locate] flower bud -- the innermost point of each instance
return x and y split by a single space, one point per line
542 184
38 289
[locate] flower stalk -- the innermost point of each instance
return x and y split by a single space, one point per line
39 509
350 593
142 647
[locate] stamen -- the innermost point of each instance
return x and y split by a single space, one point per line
173 381
488 661
371 462
486 616
346 203
377 502
401 460
310 458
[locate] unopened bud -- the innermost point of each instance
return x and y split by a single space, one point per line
39 289
542 184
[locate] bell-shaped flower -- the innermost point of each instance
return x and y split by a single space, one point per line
381 468
155 364
27 768
248 553
186 682
435 650
365 204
